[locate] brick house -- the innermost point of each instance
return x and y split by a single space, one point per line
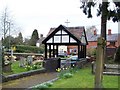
39 42
113 41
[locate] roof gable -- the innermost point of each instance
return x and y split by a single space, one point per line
71 35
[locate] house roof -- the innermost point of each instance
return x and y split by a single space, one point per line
40 40
112 37
75 32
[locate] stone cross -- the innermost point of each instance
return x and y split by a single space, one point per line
67 22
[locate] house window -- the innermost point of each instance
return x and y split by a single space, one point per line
112 43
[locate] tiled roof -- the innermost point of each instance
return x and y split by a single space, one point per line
112 37
76 31
40 40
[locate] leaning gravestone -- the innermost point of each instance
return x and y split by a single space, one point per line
29 60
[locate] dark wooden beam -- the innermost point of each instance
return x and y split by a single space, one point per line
53 50
84 51
61 37
78 51
49 51
63 43
57 50
45 50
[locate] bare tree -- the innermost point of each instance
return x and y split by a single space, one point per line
7 27
7 24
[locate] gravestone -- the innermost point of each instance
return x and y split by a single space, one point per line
7 66
67 64
29 60
22 62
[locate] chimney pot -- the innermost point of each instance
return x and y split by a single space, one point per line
95 32
41 35
109 31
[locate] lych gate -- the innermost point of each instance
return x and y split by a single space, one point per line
65 36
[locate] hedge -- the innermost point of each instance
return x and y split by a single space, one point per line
29 49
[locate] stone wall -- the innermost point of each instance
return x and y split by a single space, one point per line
51 64
24 74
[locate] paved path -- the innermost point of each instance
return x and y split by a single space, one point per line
29 81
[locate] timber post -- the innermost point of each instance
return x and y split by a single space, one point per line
99 62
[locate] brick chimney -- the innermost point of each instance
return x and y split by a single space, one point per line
109 31
41 35
95 32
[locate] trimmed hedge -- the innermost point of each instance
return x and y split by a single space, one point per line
29 49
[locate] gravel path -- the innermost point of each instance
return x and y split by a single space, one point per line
29 81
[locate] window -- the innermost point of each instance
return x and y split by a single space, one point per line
112 43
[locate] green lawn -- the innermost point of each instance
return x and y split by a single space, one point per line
16 69
84 79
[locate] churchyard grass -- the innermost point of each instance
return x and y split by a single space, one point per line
83 78
17 69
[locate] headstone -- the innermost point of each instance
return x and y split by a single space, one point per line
29 60
22 62
67 64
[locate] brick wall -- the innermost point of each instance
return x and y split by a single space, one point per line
92 44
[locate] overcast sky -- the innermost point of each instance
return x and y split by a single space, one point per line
44 14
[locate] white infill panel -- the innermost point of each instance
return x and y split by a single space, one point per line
63 32
50 40
72 40
65 39
57 39
59 32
